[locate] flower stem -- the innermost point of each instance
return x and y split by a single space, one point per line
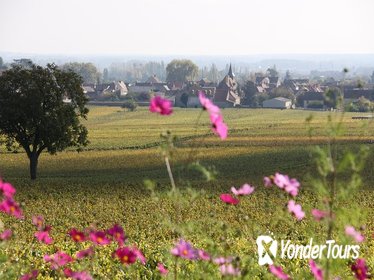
176 269
170 173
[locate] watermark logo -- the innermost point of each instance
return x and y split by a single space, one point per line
267 250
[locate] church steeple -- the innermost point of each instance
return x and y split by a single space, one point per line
231 74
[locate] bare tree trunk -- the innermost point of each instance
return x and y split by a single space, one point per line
33 164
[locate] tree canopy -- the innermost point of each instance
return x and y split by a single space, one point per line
181 70
87 71
41 109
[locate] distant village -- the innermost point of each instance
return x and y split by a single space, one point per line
260 90
270 90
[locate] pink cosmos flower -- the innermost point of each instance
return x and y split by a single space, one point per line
85 253
360 269
208 105
38 221
118 234
6 234
77 235
244 190
30 276
295 209
222 260
229 199
58 259
161 268
203 255
280 180
82 275
268 182
160 105
218 126
139 255
7 189
229 269
125 255
9 206
278 272
184 250
357 236
99 238
291 186
316 271
319 215
43 236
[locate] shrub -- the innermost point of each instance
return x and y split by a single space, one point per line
130 105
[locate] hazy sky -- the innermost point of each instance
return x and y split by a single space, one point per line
195 27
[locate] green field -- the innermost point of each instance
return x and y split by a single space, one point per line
104 183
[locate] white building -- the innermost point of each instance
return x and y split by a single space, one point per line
278 102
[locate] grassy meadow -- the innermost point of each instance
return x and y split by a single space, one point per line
103 184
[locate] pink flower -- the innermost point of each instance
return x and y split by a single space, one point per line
82 275
139 255
161 268
118 234
291 186
29 276
244 190
6 234
58 259
99 237
160 105
280 180
38 221
316 271
77 235
222 260
85 253
203 255
229 269
360 269
9 206
7 189
357 236
227 198
208 105
125 255
43 236
184 250
319 215
295 209
268 182
278 272
218 126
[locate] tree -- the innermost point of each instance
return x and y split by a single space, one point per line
40 109
213 74
181 70
250 92
105 75
87 71
282 91
361 105
272 72
1 62
334 98
130 105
